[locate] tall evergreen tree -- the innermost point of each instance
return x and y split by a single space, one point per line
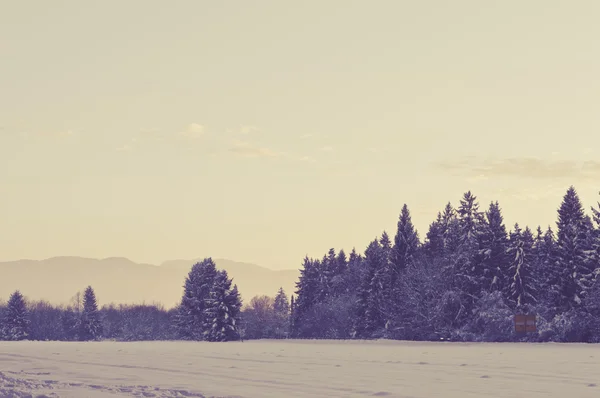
433 246
468 259
307 294
521 291
197 288
371 300
574 276
222 308
406 242
494 241
281 309
16 321
90 326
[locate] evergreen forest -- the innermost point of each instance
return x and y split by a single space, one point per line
464 280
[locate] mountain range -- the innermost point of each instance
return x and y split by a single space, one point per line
121 281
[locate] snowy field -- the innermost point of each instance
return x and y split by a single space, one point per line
285 369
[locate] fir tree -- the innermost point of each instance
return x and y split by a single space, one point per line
370 304
433 246
494 242
307 293
222 309
406 242
339 285
90 327
16 321
468 259
281 309
521 291
574 276
197 288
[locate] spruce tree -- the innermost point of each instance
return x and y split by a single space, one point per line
370 301
16 321
307 294
221 311
406 242
468 259
494 241
574 276
521 291
281 309
90 327
433 246
191 312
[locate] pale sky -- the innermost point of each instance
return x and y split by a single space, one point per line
262 131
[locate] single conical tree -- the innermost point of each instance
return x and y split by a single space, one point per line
307 293
574 276
222 310
281 309
406 242
190 319
521 292
494 243
90 326
16 322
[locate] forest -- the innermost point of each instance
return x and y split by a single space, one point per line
464 281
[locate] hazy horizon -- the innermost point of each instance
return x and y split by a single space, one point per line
265 131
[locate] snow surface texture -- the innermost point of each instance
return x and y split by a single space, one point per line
296 368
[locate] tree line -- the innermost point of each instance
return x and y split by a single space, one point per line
464 281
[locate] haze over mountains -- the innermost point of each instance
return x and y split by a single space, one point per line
120 280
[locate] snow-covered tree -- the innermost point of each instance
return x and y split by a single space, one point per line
494 242
574 275
307 294
371 303
406 242
16 322
467 260
281 312
197 288
90 326
222 309
521 290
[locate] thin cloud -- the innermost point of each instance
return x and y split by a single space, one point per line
307 159
523 167
248 129
326 148
248 150
193 130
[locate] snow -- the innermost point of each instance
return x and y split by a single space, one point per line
295 368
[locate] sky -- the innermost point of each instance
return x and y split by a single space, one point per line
265 131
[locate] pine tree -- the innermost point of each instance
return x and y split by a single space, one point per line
406 242
90 327
575 278
468 259
340 267
521 291
197 288
450 226
16 321
307 294
281 309
222 309
433 247
370 304
494 241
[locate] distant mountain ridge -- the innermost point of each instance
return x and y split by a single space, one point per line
121 280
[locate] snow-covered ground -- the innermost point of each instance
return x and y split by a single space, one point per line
286 369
